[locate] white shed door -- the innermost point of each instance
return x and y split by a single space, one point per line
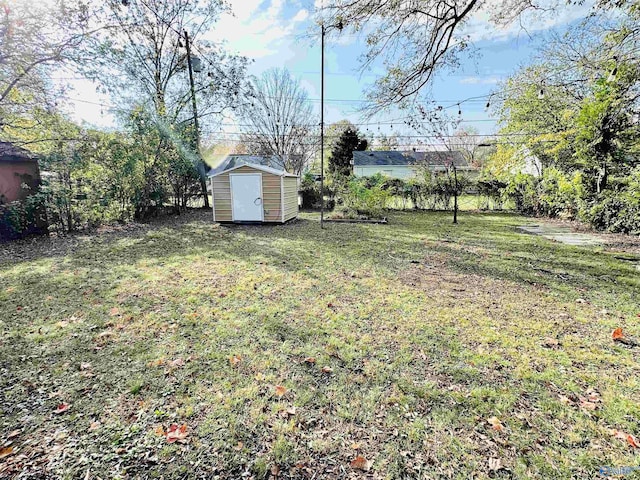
246 191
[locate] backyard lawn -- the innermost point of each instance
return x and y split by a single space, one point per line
417 349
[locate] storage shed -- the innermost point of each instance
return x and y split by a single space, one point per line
250 192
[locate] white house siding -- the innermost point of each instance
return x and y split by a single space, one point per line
393 171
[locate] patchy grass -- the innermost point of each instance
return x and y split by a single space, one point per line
428 349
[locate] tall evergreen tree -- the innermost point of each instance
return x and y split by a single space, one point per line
342 152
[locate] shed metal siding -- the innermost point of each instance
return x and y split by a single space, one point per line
290 198
271 197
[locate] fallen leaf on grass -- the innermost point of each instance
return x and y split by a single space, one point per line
586 405
177 433
280 390
551 342
156 363
310 360
495 464
275 470
359 463
239 446
12 434
159 431
178 362
496 424
326 369
6 451
114 311
617 334
235 359
630 439
85 366
94 425
291 411
63 407
355 446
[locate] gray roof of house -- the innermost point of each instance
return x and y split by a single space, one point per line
379 157
11 152
384 157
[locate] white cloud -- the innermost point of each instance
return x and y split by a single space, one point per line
472 80
259 28
484 26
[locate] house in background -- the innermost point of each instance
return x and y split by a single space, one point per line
246 188
19 173
406 165
19 179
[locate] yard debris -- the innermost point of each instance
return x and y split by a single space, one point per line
310 360
495 464
551 342
327 369
177 433
280 390
496 424
360 463
63 407
618 336
235 360
178 362
6 451
630 439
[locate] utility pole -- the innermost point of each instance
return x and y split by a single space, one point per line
200 165
322 130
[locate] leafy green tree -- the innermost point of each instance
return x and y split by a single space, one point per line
342 153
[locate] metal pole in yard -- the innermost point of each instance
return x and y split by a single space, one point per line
322 129
455 193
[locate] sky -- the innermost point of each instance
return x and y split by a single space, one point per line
281 33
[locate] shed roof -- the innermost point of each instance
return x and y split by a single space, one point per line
10 152
259 162
390 157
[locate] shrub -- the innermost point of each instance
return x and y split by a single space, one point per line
366 201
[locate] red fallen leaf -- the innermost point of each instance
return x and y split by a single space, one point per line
6 451
18 309
359 463
495 423
235 359
63 407
222 295
630 439
617 334
280 390
177 433
330 305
